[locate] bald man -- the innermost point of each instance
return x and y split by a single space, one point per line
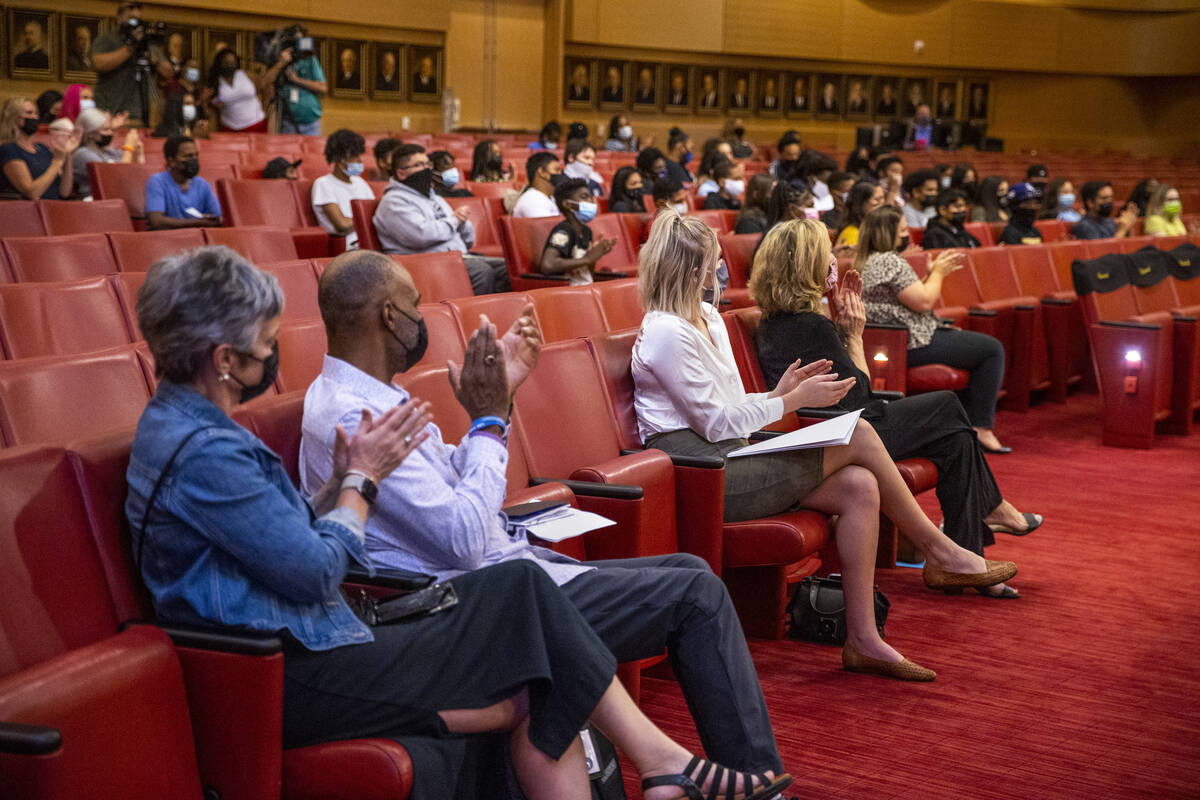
439 512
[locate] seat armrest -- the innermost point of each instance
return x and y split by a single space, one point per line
1124 323
762 436
981 312
237 643
544 276
28 740
819 413
886 394
1057 301
699 462
608 274
886 326
612 491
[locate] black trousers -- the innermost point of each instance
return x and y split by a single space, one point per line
935 426
981 355
642 606
488 275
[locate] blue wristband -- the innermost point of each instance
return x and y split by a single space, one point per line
484 422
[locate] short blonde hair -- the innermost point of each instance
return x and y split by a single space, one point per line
674 263
10 118
791 267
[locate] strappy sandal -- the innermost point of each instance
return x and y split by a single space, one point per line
692 778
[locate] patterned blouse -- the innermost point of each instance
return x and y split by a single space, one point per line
884 277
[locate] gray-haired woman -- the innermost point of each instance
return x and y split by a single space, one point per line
225 539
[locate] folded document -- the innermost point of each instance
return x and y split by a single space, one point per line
552 522
828 433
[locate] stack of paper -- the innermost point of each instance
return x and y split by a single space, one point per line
553 522
829 433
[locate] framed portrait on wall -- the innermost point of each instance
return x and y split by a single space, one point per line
349 63
798 98
769 93
710 89
646 86
387 70
32 46
426 65
579 85
917 91
858 97
887 98
946 100
218 39
614 83
978 101
678 92
830 98
741 91
78 33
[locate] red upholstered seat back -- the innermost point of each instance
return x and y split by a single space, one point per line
124 181
501 309
64 217
259 203
613 353
741 325
137 252
737 250
302 348
526 241
259 245
438 276
620 302
59 258
623 256
21 218
276 421
363 214
56 319
1034 269
567 312
299 285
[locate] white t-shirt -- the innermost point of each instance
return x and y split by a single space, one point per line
329 189
535 203
240 105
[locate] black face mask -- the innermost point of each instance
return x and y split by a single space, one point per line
496 163
634 194
1024 216
104 141
228 72
903 244
928 201
270 371
958 218
420 181
30 126
189 169
417 351
1104 210
739 132
558 179
968 187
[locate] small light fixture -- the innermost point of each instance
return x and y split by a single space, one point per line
880 357
1133 359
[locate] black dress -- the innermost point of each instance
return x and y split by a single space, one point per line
932 425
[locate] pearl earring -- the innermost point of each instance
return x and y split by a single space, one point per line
224 376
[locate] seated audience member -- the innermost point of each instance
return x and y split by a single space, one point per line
922 190
753 216
548 137
439 512
627 191
943 172
29 169
280 168
787 150
839 184
1024 203
620 135
181 116
860 163
235 95
232 544
893 294
577 130
1038 176
542 171
332 193
734 132
991 201
652 164
864 197
669 193
383 158
487 166
49 105
569 248
919 133
731 185
712 153
679 155
580 158
95 144
1059 202
410 218
1097 222
789 284
77 99
446 176
179 197
890 174
946 229
689 401
1141 194
963 177
1164 213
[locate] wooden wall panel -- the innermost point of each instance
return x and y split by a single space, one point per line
790 28
520 79
1004 35
873 31
677 25
1129 43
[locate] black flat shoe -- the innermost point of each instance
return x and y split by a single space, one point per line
999 451
1032 523
1009 593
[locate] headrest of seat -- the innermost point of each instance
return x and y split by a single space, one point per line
1187 261
1105 274
1151 266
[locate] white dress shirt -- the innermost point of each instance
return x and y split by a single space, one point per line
682 381
535 203
439 511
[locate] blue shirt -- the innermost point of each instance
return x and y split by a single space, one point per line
164 195
1095 228
230 541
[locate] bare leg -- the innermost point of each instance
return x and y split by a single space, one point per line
1007 514
852 494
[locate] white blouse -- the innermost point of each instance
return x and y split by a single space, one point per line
682 381
240 106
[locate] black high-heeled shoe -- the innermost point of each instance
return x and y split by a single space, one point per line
693 777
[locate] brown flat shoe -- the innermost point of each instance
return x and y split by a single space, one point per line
854 661
954 582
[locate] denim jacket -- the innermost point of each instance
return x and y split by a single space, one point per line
230 541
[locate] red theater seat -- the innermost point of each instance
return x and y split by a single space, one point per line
302 347
487 230
262 245
64 217
500 309
620 302
273 203
438 276
122 181
59 258
136 252
1052 230
21 218
981 231
738 251
59 319
567 312
299 285
524 241
363 212
623 257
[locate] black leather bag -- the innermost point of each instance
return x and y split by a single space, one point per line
604 768
818 611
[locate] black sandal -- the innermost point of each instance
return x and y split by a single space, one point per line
690 781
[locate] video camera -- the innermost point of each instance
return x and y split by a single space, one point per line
155 32
270 45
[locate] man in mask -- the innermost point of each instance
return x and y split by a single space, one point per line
581 163
179 197
411 218
1024 203
921 187
919 134
679 155
1098 223
440 511
543 171
946 229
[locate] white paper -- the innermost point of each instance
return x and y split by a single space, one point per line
557 524
193 212
827 433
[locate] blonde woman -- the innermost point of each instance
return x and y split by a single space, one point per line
791 275
690 401
29 170
1164 213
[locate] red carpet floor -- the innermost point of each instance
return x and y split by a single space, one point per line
1086 687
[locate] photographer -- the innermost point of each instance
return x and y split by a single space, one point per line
298 80
115 56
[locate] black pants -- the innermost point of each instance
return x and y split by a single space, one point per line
488 275
642 606
935 426
981 355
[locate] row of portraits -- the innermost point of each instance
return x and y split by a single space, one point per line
675 88
48 45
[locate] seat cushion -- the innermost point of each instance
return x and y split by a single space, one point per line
919 474
782 539
359 769
932 377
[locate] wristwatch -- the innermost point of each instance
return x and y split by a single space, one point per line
361 484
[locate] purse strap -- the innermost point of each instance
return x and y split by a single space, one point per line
154 494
